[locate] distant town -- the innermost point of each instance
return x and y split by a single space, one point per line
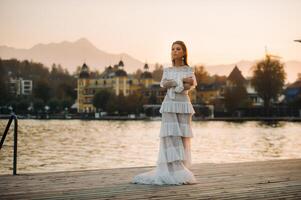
31 89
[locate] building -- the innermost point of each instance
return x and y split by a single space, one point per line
235 78
207 93
113 78
252 94
20 87
293 92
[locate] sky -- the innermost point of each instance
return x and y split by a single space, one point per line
214 31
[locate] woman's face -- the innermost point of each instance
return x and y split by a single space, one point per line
176 52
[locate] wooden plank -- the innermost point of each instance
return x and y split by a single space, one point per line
273 179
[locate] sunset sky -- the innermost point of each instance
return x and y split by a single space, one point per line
215 32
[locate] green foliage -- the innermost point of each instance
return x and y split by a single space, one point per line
112 105
56 83
158 72
268 79
201 75
3 86
38 105
101 98
134 103
42 90
236 97
120 103
54 105
22 105
66 103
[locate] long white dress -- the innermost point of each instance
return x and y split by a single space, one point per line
174 159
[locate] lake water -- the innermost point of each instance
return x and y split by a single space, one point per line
60 145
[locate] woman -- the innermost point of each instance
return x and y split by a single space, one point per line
174 158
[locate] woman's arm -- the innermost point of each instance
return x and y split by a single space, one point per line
168 83
191 80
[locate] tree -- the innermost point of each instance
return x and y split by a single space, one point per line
112 106
158 72
268 79
54 105
134 103
235 97
121 101
66 103
42 91
38 105
3 86
101 99
201 75
138 73
22 105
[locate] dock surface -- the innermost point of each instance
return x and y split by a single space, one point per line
274 179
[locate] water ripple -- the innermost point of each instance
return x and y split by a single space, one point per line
60 145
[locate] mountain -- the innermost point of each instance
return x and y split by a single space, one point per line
73 54
70 55
292 68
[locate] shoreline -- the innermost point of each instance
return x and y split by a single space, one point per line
147 118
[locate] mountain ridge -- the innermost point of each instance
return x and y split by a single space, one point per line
73 54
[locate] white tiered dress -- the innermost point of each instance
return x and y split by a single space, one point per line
174 159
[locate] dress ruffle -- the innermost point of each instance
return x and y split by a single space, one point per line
175 129
176 107
171 154
162 176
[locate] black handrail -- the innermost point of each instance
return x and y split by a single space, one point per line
12 117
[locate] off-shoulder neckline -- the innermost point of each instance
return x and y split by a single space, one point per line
181 67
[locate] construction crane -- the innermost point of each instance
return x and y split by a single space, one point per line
270 55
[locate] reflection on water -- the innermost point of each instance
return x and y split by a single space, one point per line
60 145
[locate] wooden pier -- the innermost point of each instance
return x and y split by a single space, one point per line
274 179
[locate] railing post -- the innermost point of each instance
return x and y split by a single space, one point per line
15 145
12 117
6 131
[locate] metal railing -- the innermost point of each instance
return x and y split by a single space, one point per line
12 117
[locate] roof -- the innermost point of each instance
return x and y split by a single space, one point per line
121 64
146 75
236 76
296 84
146 66
210 87
120 72
84 72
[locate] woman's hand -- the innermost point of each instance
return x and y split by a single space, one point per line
188 80
187 86
168 83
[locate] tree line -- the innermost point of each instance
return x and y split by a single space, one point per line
54 87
